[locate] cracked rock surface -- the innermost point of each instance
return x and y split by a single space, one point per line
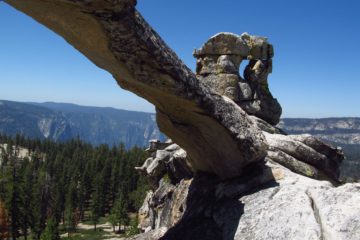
283 205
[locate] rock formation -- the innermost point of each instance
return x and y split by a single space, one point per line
217 66
114 36
165 158
251 181
274 199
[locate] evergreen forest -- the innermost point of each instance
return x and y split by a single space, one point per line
59 185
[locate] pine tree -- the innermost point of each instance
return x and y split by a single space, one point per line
119 210
4 222
51 231
74 178
14 201
96 206
71 210
26 171
133 230
113 220
40 203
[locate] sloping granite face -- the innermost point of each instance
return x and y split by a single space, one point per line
245 207
271 202
217 134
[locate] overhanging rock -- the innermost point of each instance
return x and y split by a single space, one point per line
217 134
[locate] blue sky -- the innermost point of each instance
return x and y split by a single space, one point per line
316 65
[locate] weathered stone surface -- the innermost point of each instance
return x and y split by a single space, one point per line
178 166
156 144
283 206
300 151
246 46
150 235
256 74
265 126
146 214
114 36
166 158
337 211
217 67
164 207
245 92
292 163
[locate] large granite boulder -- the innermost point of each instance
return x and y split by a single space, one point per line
270 202
278 198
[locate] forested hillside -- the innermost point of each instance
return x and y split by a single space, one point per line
62 121
60 185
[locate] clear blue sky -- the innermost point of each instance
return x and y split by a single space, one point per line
316 66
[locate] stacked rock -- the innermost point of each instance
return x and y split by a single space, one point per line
165 158
218 63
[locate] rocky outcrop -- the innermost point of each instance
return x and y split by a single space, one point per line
271 202
306 155
217 66
165 158
216 133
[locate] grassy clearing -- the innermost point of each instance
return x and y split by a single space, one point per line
85 230
90 234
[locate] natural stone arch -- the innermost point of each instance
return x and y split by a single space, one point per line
217 134
218 64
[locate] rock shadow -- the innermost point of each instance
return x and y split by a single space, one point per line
213 209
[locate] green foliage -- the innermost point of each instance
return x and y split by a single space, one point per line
96 207
113 220
119 211
166 178
71 182
51 231
133 230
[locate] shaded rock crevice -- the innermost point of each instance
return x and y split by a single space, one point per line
316 214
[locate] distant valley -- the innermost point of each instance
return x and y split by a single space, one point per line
98 125
337 130
63 121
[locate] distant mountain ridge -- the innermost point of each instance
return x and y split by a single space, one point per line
338 130
63 121
97 125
